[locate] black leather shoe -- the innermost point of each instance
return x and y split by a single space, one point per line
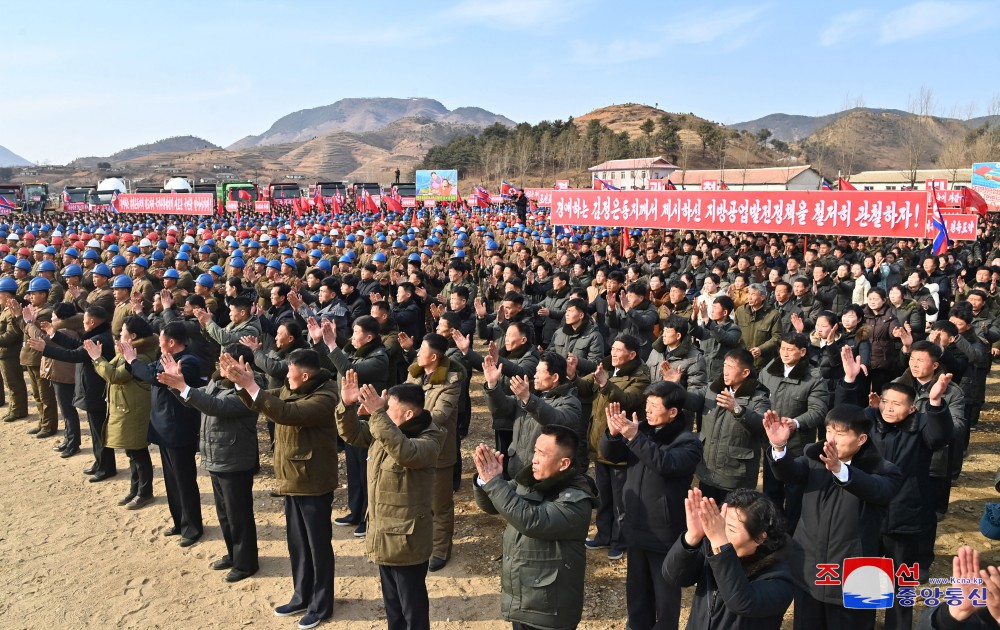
138 503
34 431
225 562
173 531
101 476
125 499
69 451
187 542
436 564
91 470
236 575
41 435
60 446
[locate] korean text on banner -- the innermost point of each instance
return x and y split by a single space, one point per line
151 203
898 214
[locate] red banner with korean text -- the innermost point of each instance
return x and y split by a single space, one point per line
961 227
409 202
876 213
75 206
541 196
151 203
261 206
657 184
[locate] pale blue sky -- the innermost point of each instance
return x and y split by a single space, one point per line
91 78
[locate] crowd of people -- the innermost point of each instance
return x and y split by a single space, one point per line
842 376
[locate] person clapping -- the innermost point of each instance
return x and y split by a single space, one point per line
733 556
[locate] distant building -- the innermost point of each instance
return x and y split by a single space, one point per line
900 180
775 178
632 174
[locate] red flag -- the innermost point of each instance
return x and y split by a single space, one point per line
845 185
458 196
972 199
335 206
722 185
626 242
244 195
392 204
319 200
298 206
370 203
669 185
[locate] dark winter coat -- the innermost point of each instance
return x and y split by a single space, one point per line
731 593
839 520
661 463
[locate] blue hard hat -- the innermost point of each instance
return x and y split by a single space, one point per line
288 251
260 260
132 249
316 253
206 280
399 243
274 264
183 256
8 285
492 245
368 241
39 284
413 256
71 252
118 261
10 258
379 257
71 270
459 254
50 250
142 262
121 282
289 261
327 241
46 265
23 265
156 255
103 270
204 249
325 265
113 249
351 238
237 262
216 269
172 273
91 255
346 259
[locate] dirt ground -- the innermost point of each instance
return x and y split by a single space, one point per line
70 558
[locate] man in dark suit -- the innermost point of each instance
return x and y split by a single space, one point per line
175 427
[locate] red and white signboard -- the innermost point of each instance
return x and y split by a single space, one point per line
562 184
936 184
232 206
541 196
75 206
409 202
262 207
657 184
710 184
883 213
430 203
961 227
149 203
496 199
